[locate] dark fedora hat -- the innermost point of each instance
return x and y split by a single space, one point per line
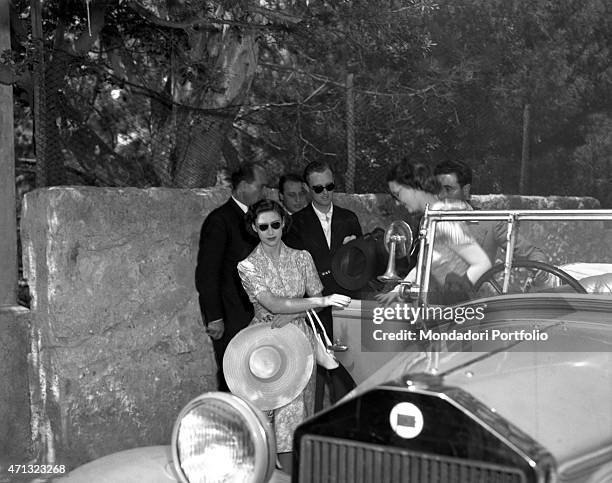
360 260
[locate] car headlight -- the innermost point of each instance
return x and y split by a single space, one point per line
220 437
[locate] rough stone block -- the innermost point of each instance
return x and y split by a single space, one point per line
563 242
14 400
375 210
118 344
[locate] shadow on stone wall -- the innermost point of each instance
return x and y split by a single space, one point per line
14 399
117 342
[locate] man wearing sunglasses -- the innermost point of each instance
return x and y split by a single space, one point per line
225 241
322 228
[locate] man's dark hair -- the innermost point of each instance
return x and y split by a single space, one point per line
316 167
263 206
415 175
459 169
245 173
286 178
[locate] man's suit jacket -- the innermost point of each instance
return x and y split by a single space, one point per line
306 233
224 241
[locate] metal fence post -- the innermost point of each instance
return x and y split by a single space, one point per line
8 215
525 150
350 135
39 110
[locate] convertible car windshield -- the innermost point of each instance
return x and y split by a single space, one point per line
547 268
542 251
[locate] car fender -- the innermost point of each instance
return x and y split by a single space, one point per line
152 464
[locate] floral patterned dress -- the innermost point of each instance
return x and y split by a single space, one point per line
293 275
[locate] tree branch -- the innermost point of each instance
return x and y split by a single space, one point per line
327 80
281 17
209 23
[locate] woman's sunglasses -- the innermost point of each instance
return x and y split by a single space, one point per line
318 189
264 226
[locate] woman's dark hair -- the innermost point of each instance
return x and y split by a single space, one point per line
264 206
415 175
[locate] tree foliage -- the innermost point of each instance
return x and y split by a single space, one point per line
164 92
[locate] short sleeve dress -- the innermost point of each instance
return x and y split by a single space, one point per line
449 236
293 275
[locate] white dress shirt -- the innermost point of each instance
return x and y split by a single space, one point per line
325 220
242 206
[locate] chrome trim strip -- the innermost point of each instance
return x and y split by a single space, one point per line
574 468
533 215
534 454
511 234
351 311
422 248
431 235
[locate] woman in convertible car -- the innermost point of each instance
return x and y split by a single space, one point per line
459 260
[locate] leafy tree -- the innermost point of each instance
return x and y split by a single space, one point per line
141 93
165 92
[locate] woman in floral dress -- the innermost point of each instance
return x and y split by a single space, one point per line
282 283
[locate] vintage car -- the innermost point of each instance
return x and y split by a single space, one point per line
521 391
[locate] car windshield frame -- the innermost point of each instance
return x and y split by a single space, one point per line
513 218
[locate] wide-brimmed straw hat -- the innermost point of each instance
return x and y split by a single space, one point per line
269 367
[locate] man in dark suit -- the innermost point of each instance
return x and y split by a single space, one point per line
322 228
225 241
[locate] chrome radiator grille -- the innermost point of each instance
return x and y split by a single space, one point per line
333 460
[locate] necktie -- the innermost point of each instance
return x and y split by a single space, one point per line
328 229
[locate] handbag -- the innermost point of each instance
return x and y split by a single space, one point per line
323 352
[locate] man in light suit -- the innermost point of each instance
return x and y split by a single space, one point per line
456 180
322 228
225 241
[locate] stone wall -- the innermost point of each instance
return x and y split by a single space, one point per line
14 400
563 242
118 344
117 341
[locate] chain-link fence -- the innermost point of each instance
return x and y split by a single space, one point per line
139 110
93 127
117 113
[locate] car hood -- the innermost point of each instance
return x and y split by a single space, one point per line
562 399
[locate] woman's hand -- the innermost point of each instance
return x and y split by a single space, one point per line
280 320
336 300
387 298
